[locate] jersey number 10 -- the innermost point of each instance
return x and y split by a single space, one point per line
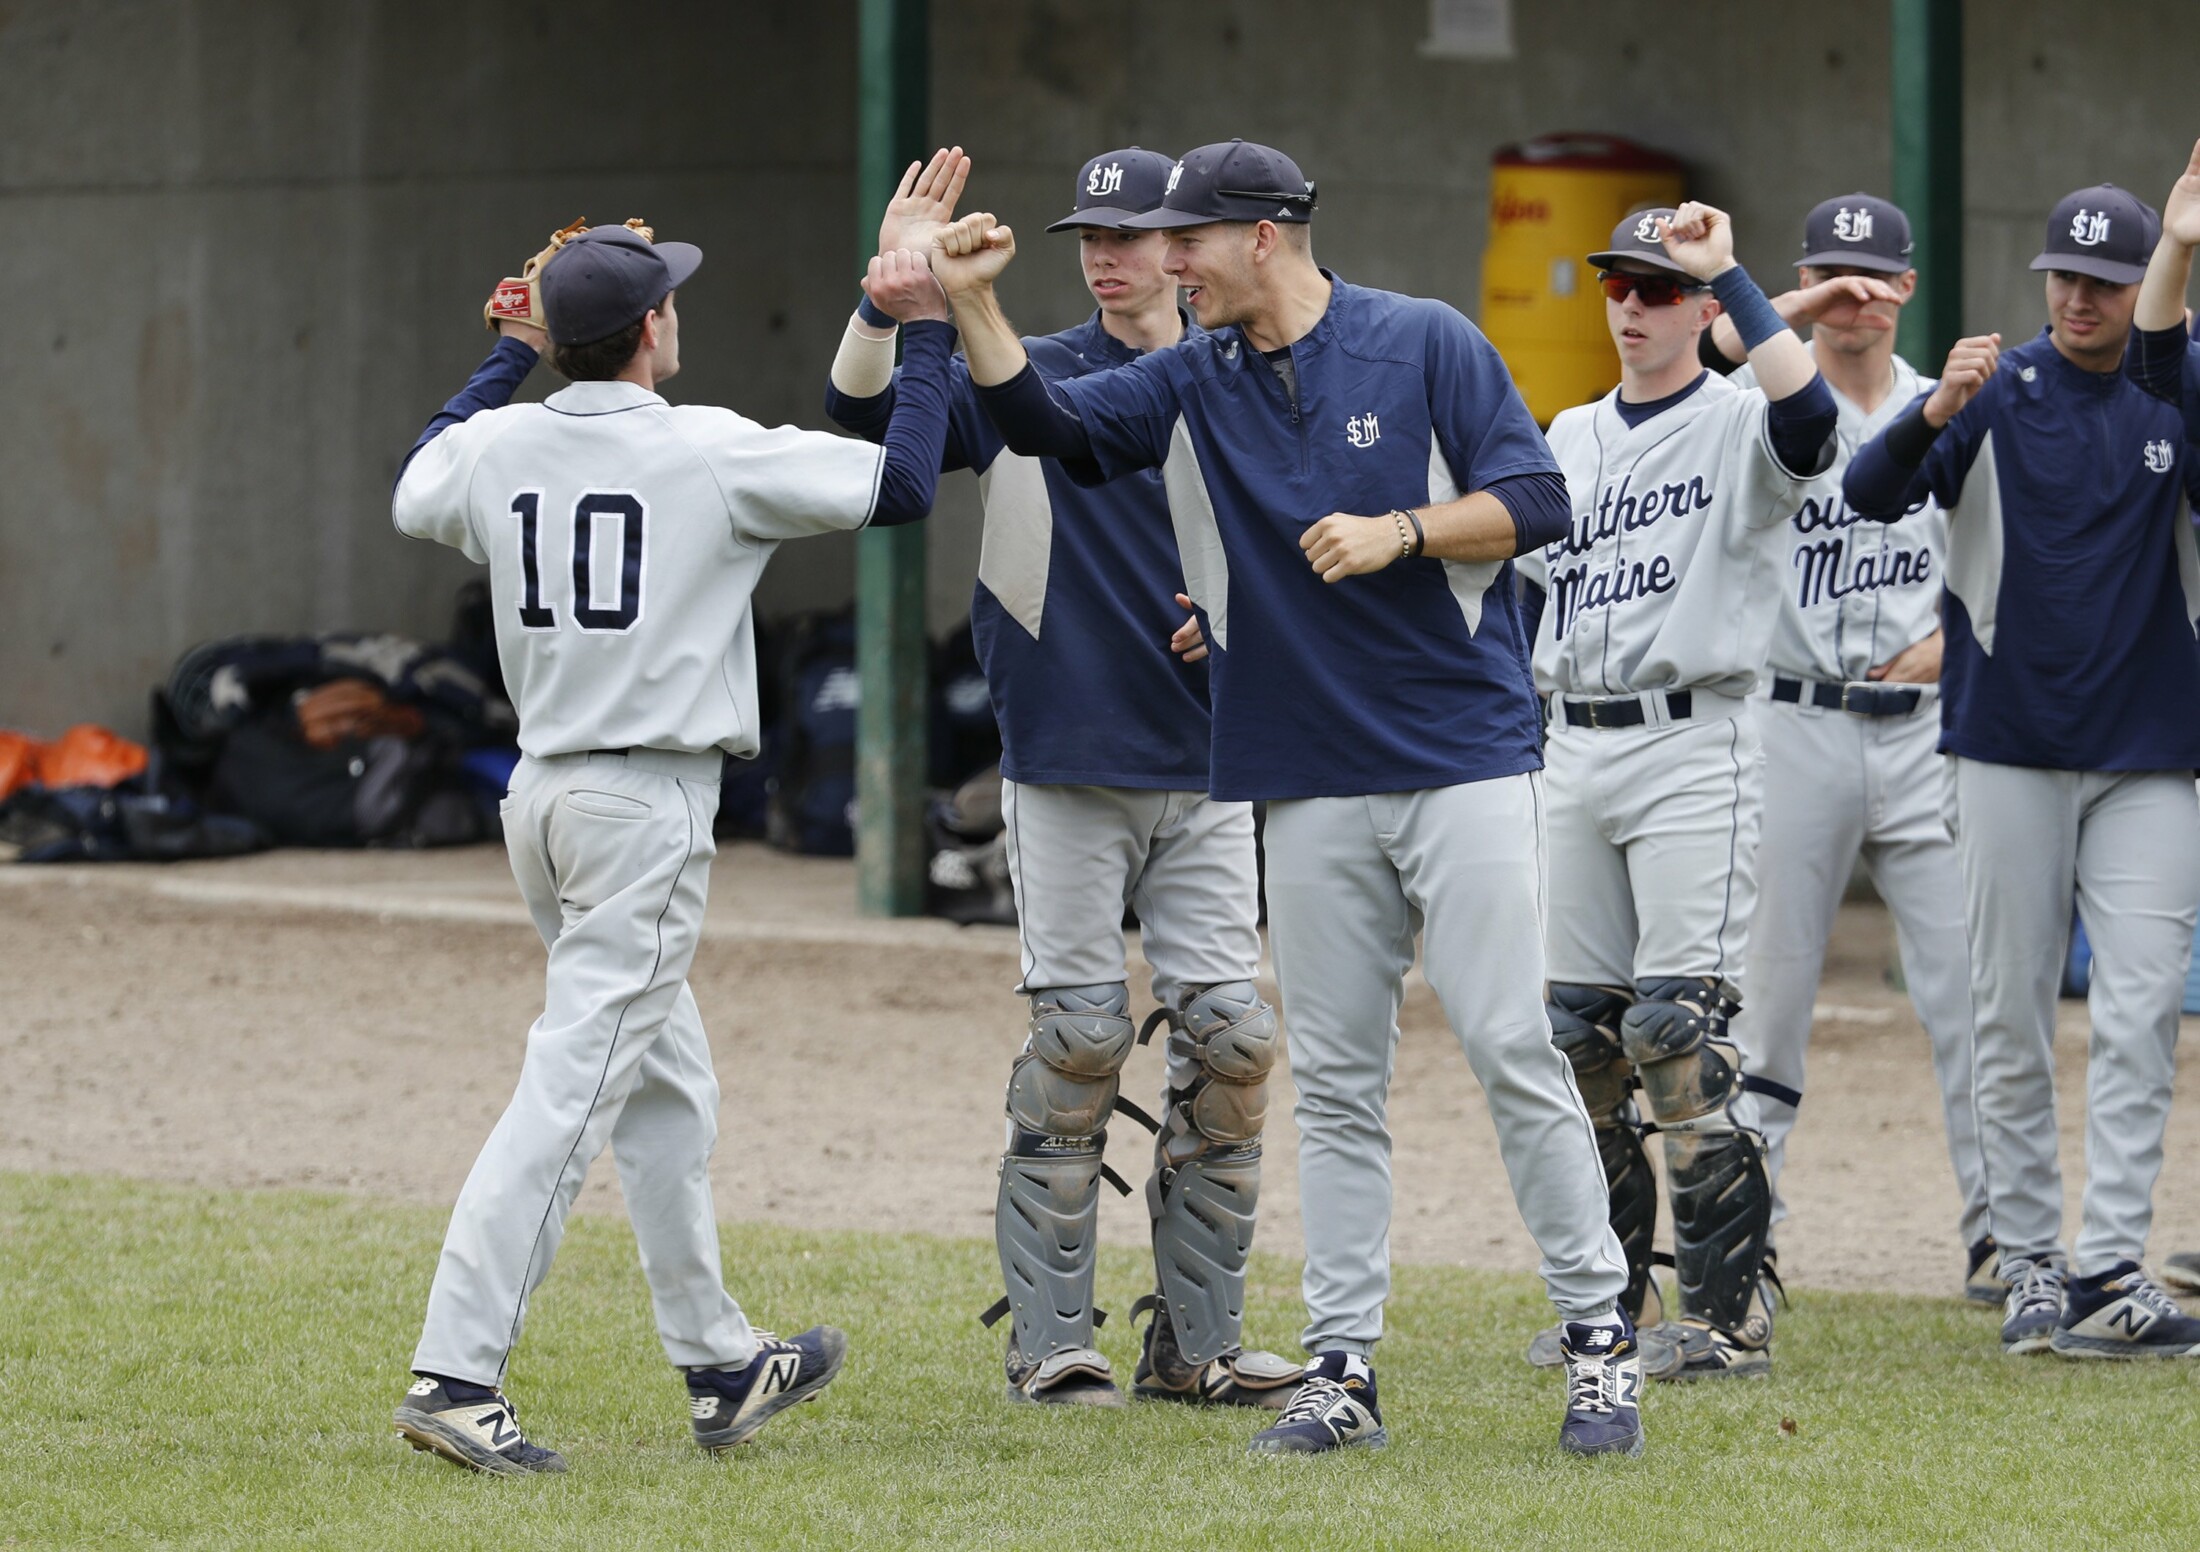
626 612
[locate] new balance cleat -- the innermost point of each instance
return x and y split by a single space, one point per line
470 1425
728 1405
2034 1306
1075 1376
1710 1353
2123 1313
1983 1282
2182 1272
1334 1409
1659 1346
1236 1378
1603 1390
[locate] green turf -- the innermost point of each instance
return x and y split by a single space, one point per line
194 1368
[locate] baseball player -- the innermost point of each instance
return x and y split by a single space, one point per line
2070 700
1351 472
2165 360
1657 607
1849 718
624 537
1104 792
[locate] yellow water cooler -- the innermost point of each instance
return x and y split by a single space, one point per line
1553 199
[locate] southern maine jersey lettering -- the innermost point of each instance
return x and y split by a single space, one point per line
1856 592
1667 578
623 537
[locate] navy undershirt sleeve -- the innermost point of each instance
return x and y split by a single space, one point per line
1034 422
1886 479
1540 508
917 435
1800 425
2155 360
490 388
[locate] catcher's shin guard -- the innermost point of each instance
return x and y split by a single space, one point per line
1722 1202
1045 1222
1206 1179
1585 1025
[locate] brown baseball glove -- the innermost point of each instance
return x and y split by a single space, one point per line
518 298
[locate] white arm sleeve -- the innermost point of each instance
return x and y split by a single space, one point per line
864 366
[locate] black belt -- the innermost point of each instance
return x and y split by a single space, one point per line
1861 700
1622 711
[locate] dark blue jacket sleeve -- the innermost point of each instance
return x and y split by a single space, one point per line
490 388
916 436
972 443
1035 421
1541 511
1800 428
1897 471
1482 424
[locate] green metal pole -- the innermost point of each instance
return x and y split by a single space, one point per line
1928 171
895 67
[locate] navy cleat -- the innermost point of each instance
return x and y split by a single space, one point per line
469 1425
2034 1306
1334 1408
1603 1390
2123 1313
1983 1282
728 1405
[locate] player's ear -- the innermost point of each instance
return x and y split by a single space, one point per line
1905 284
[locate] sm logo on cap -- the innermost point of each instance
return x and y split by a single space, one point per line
1175 173
2089 228
1646 230
1852 225
1105 180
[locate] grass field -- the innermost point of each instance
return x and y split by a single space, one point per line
192 1368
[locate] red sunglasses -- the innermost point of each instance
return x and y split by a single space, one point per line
1655 290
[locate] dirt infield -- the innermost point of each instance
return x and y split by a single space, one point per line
354 1021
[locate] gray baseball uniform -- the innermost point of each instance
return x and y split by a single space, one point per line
624 537
1861 776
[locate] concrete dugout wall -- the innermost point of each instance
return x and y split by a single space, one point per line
245 243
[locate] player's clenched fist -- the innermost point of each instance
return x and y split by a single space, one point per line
1969 365
971 252
901 285
1844 302
1699 237
1342 545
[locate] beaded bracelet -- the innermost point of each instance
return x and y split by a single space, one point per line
1406 515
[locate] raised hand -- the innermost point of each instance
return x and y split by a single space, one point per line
1844 302
900 284
1186 641
925 201
1970 363
2181 211
971 253
1699 238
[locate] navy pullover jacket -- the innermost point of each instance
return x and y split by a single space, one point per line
2073 583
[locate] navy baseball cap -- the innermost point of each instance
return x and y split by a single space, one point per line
2103 232
606 278
1636 237
1856 231
1116 185
1233 181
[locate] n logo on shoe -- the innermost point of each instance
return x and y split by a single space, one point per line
497 1426
2131 1317
779 1374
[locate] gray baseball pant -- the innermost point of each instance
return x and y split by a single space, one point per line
1181 861
1838 786
612 854
2128 844
1351 880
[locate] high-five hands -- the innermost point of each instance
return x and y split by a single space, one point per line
1699 238
2181 211
900 284
925 201
1970 363
971 253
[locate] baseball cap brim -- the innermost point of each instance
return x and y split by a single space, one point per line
1610 260
681 261
1849 258
1164 219
1098 215
2086 264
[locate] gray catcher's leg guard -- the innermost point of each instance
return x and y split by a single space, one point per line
1206 1178
1722 1203
1060 1094
1585 1024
